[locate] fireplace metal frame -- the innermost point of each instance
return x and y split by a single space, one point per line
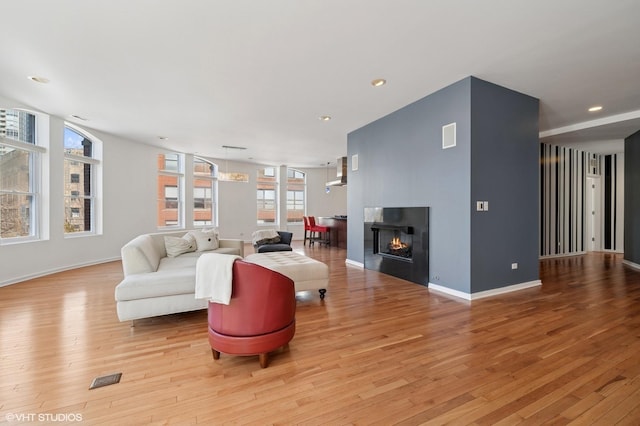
413 221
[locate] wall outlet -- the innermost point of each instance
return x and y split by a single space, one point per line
514 266
482 206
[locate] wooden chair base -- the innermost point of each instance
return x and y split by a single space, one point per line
263 358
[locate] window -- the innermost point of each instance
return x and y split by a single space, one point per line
80 162
170 190
170 197
266 196
296 187
204 193
19 176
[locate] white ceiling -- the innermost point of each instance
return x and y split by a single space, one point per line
258 73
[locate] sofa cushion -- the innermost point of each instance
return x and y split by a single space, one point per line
206 239
175 246
140 255
268 248
168 282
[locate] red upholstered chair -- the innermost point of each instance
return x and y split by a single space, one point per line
307 228
260 317
321 232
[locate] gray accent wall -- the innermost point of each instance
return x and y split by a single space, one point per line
631 198
504 171
401 163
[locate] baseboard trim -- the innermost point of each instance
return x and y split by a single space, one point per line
354 263
484 294
17 280
553 256
448 291
630 264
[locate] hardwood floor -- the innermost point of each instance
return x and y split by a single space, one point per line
378 350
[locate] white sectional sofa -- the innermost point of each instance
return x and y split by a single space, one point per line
156 284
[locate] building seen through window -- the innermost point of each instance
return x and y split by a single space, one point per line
19 164
170 184
296 190
79 186
266 196
204 192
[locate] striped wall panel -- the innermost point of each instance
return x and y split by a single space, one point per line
613 204
563 173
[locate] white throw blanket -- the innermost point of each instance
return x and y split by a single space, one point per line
214 277
264 234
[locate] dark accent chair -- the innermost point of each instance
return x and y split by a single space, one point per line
283 245
260 316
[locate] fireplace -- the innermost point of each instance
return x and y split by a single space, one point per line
396 242
393 241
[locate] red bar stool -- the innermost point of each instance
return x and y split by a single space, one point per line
321 230
307 228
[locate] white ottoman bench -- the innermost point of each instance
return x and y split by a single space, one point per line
306 273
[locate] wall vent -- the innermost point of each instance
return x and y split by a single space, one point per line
449 136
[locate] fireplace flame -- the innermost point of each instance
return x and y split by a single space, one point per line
396 244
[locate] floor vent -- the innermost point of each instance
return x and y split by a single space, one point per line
101 381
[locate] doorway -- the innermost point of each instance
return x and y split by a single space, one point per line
593 213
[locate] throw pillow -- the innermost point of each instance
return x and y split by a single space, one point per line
206 239
274 240
176 246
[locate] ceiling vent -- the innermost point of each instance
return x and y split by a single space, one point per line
341 173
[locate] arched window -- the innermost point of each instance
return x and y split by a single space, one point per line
20 185
267 183
170 190
81 162
296 195
205 193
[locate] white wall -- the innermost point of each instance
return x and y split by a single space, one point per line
237 210
129 207
127 204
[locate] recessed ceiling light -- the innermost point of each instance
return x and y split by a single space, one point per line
163 138
595 108
233 147
79 118
38 79
378 82
324 118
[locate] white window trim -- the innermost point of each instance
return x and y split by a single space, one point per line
35 176
96 182
214 192
180 174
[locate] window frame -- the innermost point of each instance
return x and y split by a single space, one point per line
303 191
36 152
267 182
94 164
179 174
213 188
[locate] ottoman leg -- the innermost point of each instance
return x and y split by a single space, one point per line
322 292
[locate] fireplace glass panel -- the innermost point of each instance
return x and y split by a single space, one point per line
396 243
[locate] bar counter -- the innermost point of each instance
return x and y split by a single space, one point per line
337 229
